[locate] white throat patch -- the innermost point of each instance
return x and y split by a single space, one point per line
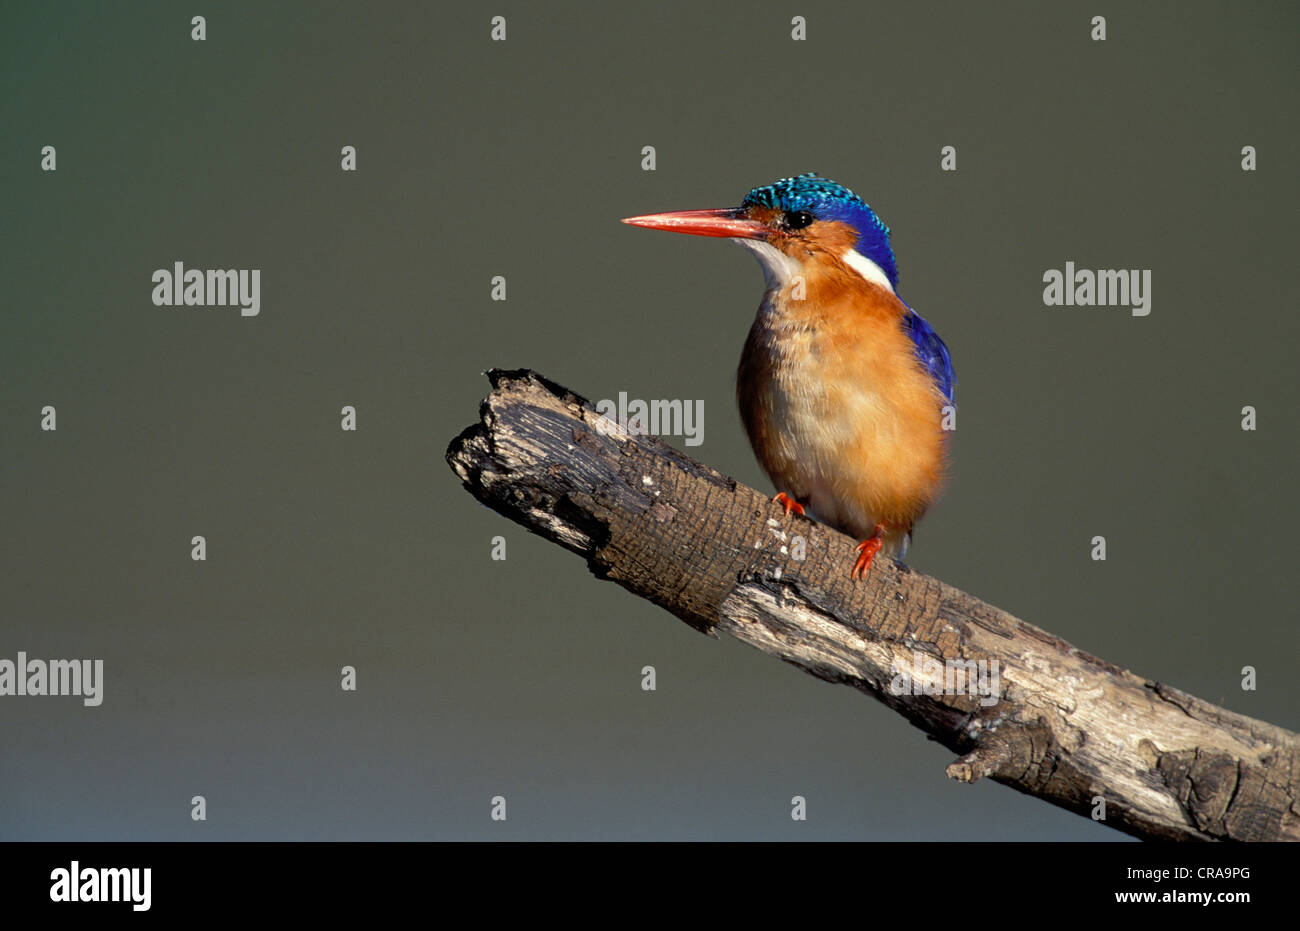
778 268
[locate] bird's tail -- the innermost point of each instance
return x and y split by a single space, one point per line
896 543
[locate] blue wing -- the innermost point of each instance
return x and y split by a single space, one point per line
933 354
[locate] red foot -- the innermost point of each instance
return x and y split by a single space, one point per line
867 551
788 503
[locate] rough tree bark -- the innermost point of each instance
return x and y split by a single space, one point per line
1066 727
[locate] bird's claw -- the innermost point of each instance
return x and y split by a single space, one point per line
867 551
788 503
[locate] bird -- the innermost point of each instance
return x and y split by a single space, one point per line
846 393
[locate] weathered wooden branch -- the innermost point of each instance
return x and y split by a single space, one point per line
1061 725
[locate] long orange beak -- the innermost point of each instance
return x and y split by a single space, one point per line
729 223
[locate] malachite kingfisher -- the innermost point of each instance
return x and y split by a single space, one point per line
846 393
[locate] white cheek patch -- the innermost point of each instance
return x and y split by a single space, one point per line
867 269
778 268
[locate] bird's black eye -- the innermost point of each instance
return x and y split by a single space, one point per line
797 219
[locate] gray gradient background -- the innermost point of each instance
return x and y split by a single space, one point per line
521 678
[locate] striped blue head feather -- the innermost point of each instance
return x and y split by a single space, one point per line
825 199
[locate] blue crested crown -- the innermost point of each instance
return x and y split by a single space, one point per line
828 200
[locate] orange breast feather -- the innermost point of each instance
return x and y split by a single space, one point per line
841 414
